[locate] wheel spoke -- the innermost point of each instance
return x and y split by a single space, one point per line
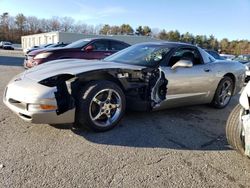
98 115
227 87
225 97
105 107
221 95
222 99
97 101
109 95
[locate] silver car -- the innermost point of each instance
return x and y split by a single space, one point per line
147 76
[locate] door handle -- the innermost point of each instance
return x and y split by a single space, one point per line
207 70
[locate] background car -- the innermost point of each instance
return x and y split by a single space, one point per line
145 77
1 44
228 56
6 45
215 54
33 53
245 59
238 124
97 48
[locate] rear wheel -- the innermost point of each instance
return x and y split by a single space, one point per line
100 105
223 93
234 129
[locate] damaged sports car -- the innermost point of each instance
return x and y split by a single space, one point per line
147 76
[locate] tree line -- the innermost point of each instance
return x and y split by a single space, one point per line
13 27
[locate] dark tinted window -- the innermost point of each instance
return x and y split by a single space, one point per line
101 45
116 46
215 55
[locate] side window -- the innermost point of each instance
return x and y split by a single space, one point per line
100 45
116 46
187 54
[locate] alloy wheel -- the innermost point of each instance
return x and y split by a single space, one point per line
105 107
226 93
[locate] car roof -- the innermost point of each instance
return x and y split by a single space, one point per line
101 38
172 44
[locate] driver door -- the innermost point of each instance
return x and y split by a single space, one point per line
187 85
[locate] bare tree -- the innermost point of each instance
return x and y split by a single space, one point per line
67 24
20 23
54 24
33 24
4 25
80 27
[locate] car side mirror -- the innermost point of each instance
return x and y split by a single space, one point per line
89 48
182 63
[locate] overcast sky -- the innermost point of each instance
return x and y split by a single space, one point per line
222 18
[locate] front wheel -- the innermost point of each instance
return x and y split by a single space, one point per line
234 129
223 93
100 105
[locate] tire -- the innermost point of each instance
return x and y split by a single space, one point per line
223 93
234 129
100 105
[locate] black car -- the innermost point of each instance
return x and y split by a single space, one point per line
215 54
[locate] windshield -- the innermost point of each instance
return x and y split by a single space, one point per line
144 55
56 45
78 43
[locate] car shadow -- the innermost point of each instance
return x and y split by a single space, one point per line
189 128
11 61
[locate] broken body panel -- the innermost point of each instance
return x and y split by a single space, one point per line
144 89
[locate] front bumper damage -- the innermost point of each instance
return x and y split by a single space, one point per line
19 95
145 89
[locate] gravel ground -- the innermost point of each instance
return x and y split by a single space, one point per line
183 147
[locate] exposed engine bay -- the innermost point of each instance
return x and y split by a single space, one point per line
144 89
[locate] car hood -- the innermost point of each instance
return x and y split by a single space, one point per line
40 50
74 67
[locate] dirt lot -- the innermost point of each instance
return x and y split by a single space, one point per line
184 147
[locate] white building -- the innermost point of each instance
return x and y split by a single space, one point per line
55 37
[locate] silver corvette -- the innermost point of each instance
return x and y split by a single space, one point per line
147 76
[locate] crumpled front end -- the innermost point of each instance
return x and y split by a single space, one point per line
34 102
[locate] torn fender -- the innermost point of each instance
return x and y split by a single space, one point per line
158 84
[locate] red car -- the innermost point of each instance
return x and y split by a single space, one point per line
97 48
